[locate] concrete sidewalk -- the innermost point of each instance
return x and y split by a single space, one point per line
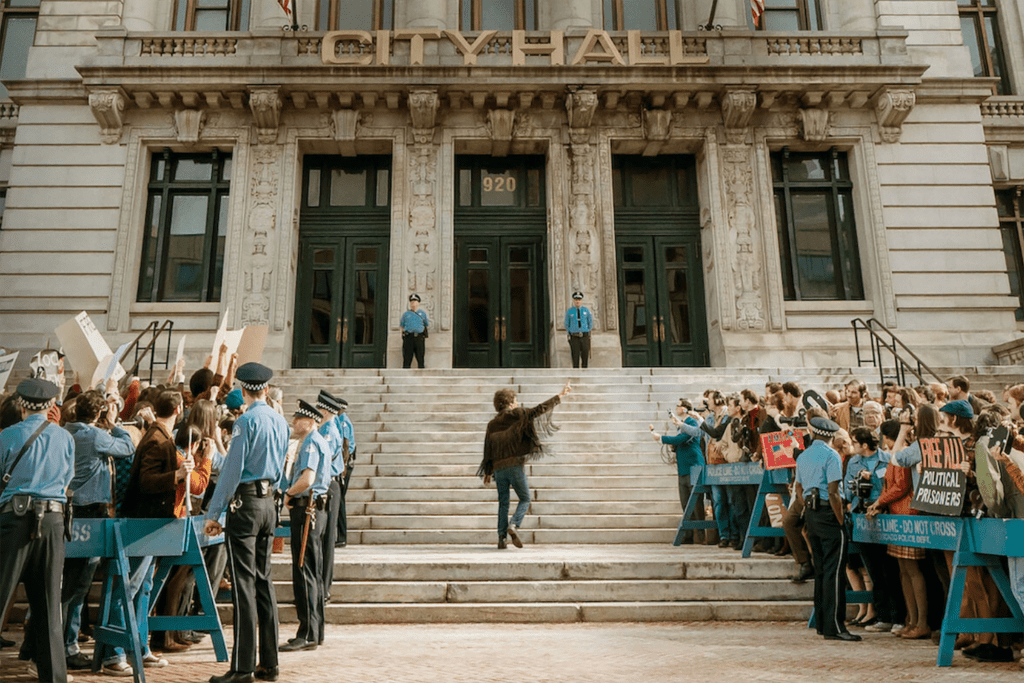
582 653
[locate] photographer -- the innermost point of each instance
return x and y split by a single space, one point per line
688 453
730 502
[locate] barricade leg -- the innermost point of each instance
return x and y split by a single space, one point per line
116 596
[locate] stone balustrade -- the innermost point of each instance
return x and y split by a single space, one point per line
1003 108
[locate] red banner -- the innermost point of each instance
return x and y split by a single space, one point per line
778 448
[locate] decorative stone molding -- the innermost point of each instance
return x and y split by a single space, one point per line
737 172
265 103
581 240
580 107
189 124
657 125
260 232
892 108
423 106
108 108
344 124
815 128
420 260
502 124
737 108
1010 353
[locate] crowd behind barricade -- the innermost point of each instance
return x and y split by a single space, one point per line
137 450
872 465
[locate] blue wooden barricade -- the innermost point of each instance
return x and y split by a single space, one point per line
703 478
175 542
974 543
772 481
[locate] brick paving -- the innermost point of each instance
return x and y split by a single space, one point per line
580 653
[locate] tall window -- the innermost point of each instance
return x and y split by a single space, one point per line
1011 224
817 232
498 15
979 23
6 156
640 15
352 15
186 221
791 15
213 15
17 31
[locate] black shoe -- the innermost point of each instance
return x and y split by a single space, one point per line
514 535
502 544
296 645
846 636
191 636
724 543
79 661
6 643
987 652
737 544
234 677
340 544
264 674
687 541
805 572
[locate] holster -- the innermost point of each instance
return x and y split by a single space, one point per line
21 503
69 517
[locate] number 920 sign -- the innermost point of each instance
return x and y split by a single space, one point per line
498 183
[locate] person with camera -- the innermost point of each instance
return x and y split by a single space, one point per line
819 474
687 447
415 328
723 427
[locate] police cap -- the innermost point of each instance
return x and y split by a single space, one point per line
414 297
822 426
327 402
307 410
577 295
253 376
36 393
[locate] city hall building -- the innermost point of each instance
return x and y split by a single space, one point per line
723 193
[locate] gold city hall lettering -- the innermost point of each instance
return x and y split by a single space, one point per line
365 48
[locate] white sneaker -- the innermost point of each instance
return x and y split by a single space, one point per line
879 627
151 661
118 669
897 629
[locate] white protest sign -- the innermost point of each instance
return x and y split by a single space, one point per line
220 337
181 350
250 348
6 368
85 347
108 366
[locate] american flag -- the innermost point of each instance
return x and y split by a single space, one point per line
286 5
756 10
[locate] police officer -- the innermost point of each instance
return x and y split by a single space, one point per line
37 463
578 324
250 474
819 473
329 405
349 434
414 324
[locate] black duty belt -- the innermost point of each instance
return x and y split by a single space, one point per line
261 488
44 505
303 502
579 334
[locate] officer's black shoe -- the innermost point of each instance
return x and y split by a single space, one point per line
79 661
296 645
191 636
512 534
805 572
234 677
845 635
266 674
6 643
502 544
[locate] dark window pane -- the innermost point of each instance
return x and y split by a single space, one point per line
972 40
383 187
784 246
348 188
995 53
635 290
609 15
183 274
320 305
499 15
533 190
479 306
323 257
465 187
848 250
366 255
498 189
149 247
802 169
785 20
519 255
18 34
218 248
355 15
1014 265
651 186
617 186
365 309
813 242
193 169
679 304
633 255
478 256
521 299
1004 203
641 15
313 191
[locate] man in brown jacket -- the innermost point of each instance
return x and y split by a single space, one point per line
850 413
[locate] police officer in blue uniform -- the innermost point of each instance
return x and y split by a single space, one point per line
251 473
819 475
578 325
329 405
349 434
414 324
37 463
304 498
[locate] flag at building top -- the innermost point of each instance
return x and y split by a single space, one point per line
756 10
286 5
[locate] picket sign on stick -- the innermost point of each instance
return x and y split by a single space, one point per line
6 368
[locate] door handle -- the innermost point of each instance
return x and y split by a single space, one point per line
661 327
497 329
503 330
337 332
344 331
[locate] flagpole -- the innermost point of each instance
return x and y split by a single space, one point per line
710 26
295 15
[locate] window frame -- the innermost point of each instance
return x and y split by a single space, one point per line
847 289
7 12
978 13
217 189
382 11
803 9
1014 225
238 14
473 10
616 22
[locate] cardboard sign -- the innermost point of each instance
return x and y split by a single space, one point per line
48 365
250 347
778 448
85 348
776 510
943 485
6 368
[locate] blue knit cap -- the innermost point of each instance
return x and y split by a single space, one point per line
959 408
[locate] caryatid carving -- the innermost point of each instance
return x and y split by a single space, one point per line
743 235
265 104
108 108
258 265
737 108
422 266
423 106
582 223
892 108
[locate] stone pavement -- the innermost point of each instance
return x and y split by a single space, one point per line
581 653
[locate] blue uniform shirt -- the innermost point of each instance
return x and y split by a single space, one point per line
259 445
329 430
314 454
347 431
46 469
817 467
687 445
578 320
93 447
876 464
414 321
909 457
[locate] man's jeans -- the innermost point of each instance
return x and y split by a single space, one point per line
140 584
514 477
1016 572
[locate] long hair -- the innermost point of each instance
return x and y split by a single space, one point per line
204 416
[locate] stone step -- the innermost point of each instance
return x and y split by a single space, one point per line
644 445
490 508
531 536
538 495
536 520
559 456
547 469
540 482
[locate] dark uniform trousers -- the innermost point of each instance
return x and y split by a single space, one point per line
413 344
342 519
330 534
792 525
580 349
40 561
307 581
249 536
829 544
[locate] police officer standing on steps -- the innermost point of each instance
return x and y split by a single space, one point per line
819 471
250 475
304 498
37 463
339 451
578 325
415 328
348 433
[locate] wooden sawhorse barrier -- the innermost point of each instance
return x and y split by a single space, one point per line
703 478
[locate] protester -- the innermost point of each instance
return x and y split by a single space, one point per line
687 447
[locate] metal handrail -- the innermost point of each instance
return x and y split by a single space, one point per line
156 329
880 346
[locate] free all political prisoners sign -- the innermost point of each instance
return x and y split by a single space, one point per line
943 485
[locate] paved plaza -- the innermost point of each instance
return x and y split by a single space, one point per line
578 653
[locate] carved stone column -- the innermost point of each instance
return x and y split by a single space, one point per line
569 14
746 258
582 243
422 253
260 239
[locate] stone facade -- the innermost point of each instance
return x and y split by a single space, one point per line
888 83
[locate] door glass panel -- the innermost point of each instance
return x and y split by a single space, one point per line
479 306
183 279
366 256
478 256
635 289
633 254
520 304
679 305
651 187
813 235
313 192
383 187
497 189
320 304
519 255
363 314
348 188
465 187
323 256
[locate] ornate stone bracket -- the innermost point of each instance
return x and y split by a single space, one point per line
892 108
738 107
815 124
580 107
657 125
344 124
502 123
188 123
108 108
423 106
265 103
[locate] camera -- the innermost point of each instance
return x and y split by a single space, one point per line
702 407
862 488
798 420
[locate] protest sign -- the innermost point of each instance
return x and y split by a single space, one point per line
250 347
6 368
85 348
48 364
776 510
778 448
943 484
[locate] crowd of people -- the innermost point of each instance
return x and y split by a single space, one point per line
862 454
171 450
